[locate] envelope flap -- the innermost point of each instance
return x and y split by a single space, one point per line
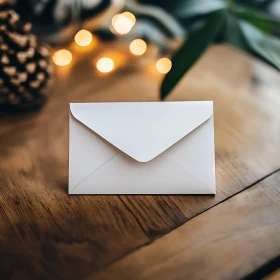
142 130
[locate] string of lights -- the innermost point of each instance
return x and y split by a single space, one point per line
121 24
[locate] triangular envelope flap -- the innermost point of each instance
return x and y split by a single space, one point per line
143 130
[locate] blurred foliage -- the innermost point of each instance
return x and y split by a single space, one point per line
242 24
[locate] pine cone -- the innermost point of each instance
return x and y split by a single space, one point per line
25 67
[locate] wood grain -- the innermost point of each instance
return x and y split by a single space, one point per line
46 234
227 242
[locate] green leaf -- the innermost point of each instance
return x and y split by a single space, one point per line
191 50
263 46
261 20
231 31
193 8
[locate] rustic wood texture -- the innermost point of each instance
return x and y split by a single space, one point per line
46 234
226 242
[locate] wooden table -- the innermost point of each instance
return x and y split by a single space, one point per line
46 234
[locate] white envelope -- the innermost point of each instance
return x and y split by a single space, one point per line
142 148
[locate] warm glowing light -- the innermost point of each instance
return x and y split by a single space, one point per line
105 65
130 16
114 19
122 24
138 47
83 38
62 57
164 65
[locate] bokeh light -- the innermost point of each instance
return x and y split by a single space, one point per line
105 65
130 16
122 24
83 38
164 65
62 57
138 46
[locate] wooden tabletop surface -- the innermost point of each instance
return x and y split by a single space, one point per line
47 234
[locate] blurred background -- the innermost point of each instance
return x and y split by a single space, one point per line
156 35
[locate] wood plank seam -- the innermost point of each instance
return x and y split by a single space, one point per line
264 270
159 254
153 240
